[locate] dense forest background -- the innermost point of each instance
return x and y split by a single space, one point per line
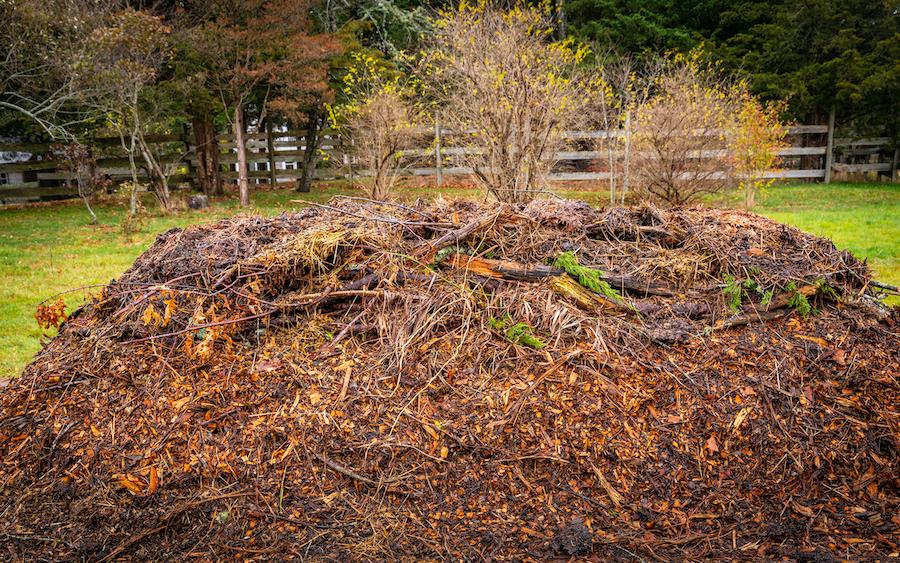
817 55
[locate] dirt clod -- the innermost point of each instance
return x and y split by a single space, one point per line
574 539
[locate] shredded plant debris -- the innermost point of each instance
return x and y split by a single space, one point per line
443 380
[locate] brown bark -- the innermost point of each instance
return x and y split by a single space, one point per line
209 176
159 182
429 248
572 291
311 149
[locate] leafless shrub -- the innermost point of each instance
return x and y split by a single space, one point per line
680 135
618 90
508 90
116 74
80 163
381 128
377 119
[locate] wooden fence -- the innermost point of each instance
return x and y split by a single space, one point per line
814 154
28 173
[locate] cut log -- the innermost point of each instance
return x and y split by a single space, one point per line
777 307
780 301
571 290
503 269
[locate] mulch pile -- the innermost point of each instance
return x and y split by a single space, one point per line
454 380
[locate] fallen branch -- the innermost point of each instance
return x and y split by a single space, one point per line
516 271
886 287
571 290
777 307
614 495
662 236
272 515
329 348
430 248
513 413
347 472
389 203
760 316
782 300
308 299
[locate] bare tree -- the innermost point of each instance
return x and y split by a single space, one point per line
619 89
509 90
80 163
114 75
381 128
41 42
377 119
680 135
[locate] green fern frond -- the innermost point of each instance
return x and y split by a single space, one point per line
733 293
519 333
798 301
587 277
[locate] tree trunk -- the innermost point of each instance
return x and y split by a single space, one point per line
561 30
209 176
310 149
133 194
243 182
159 181
84 176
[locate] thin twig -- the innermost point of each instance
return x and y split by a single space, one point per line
390 203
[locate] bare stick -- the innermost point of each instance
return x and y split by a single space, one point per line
431 247
514 411
165 522
886 287
345 471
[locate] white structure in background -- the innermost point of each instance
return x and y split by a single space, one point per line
257 153
6 157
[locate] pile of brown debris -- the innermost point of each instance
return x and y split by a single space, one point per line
454 380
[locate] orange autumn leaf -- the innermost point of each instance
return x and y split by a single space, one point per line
154 481
131 483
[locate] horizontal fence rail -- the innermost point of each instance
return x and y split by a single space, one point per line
277 156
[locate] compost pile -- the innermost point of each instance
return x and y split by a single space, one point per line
455 380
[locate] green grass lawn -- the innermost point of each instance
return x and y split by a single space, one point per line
49 249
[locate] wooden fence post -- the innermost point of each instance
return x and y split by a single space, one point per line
270 147
895 162
829 147
190 153
437 150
